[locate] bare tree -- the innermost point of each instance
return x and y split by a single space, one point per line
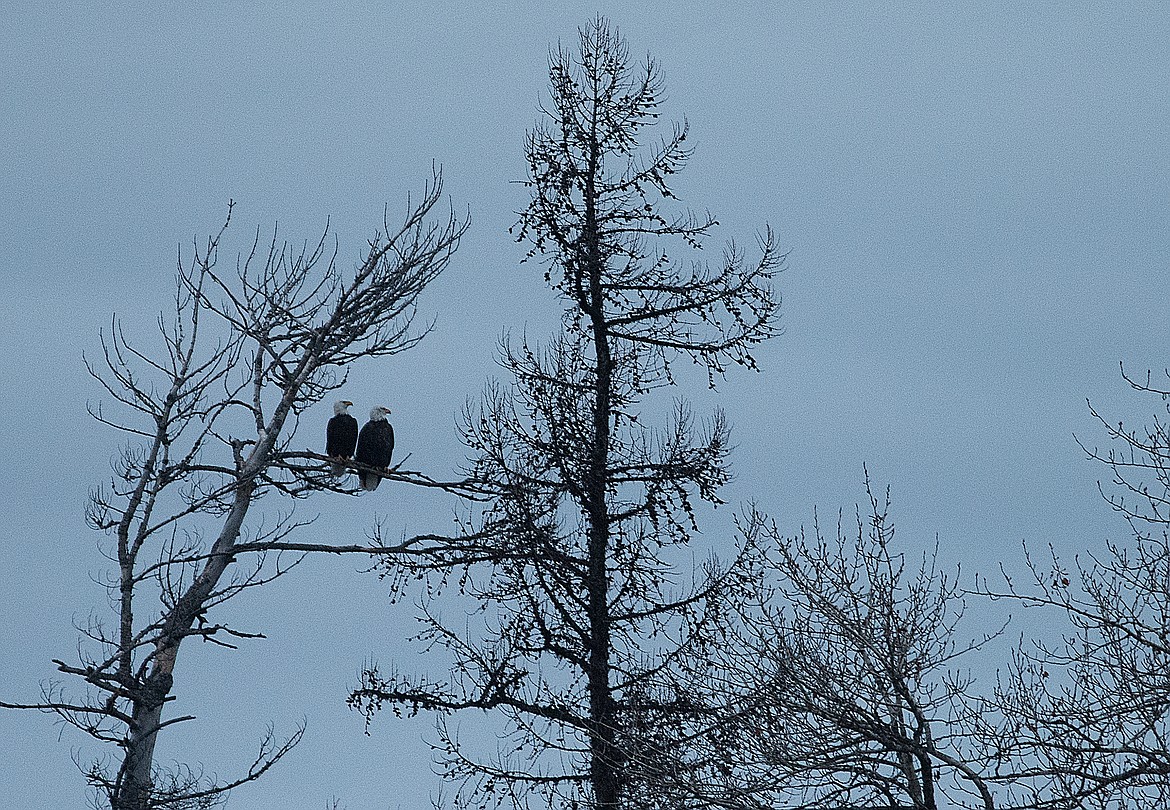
845 688
583 612
1085 720
210 417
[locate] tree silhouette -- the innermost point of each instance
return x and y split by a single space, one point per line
210 416
1085 721
584 612
844 688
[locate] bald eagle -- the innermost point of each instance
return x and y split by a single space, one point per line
375 446
341 436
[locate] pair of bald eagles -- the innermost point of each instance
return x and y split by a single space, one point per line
372 447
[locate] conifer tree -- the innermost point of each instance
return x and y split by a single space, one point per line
572 564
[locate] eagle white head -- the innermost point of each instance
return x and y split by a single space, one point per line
379 412
341 406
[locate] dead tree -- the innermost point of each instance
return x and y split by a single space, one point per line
845 688
210 419
574 565
1084 715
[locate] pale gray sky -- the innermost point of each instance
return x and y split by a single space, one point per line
976 198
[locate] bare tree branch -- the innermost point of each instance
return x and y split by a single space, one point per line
212 413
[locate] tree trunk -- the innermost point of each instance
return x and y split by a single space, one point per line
604 762
135 787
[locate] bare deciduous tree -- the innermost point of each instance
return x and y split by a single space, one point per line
210 418
1085 720
585 611
845 689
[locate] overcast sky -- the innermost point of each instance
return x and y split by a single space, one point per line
975 197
